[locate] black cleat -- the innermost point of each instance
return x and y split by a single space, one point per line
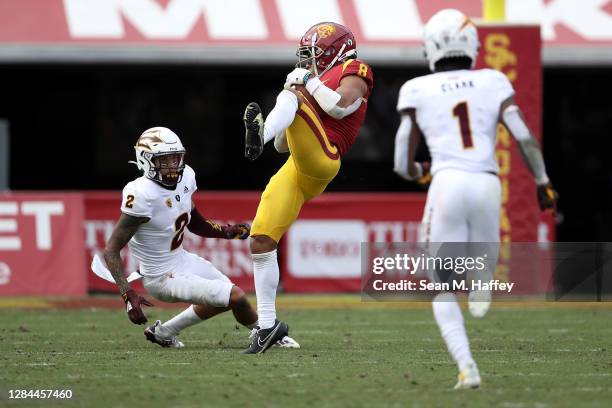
254 124
154 338
263 339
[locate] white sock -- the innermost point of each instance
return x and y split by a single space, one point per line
265 271
450 321
281 116
172 327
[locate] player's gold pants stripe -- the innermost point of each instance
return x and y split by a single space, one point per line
312 119
313 163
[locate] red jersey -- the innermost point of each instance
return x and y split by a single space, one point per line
343 132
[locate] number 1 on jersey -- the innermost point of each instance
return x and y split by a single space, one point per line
461 112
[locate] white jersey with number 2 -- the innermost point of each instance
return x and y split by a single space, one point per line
457 112
158 243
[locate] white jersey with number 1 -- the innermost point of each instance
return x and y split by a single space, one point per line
457 112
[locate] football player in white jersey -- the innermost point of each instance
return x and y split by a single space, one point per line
156 209
457 109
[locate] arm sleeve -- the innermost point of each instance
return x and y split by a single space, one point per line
533 157
135 202
402 144
359 68
408 97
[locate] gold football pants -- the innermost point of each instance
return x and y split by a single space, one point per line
313 163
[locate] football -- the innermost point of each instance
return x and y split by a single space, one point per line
311 100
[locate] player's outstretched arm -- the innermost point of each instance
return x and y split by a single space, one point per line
124 230
512 117
407 139
210 229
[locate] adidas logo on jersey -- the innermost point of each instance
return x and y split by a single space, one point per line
186 189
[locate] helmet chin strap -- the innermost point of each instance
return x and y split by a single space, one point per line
313 53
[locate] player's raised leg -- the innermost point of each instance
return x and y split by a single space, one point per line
316 159
259 133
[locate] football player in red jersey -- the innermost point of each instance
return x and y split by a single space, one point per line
316 137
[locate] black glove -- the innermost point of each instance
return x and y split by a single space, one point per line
237 231
547 197
133 301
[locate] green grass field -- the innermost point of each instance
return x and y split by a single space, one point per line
352 355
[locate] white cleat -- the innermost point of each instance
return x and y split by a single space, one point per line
154 338
479 302
285 342
468 378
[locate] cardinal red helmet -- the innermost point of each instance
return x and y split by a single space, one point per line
324 45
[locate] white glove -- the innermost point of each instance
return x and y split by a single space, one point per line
298 76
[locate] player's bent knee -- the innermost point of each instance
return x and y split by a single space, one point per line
262 243
237 297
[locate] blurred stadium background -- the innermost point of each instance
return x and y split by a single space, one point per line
81 79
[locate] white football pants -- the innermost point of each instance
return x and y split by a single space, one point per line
462 207
194 280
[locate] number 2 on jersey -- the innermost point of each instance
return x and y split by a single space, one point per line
460 111
179 226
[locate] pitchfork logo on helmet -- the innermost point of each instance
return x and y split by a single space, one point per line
450 33
160 155
324 45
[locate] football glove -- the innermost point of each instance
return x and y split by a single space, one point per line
298 76
133 301
237 231
425 176
547 197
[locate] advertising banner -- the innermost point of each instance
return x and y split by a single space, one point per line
247 31
515 51
319 253
323 247
41 244
47 241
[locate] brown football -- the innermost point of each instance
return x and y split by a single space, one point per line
308 98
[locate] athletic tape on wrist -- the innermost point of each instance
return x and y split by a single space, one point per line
325 97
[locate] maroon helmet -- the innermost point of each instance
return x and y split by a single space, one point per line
324 45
